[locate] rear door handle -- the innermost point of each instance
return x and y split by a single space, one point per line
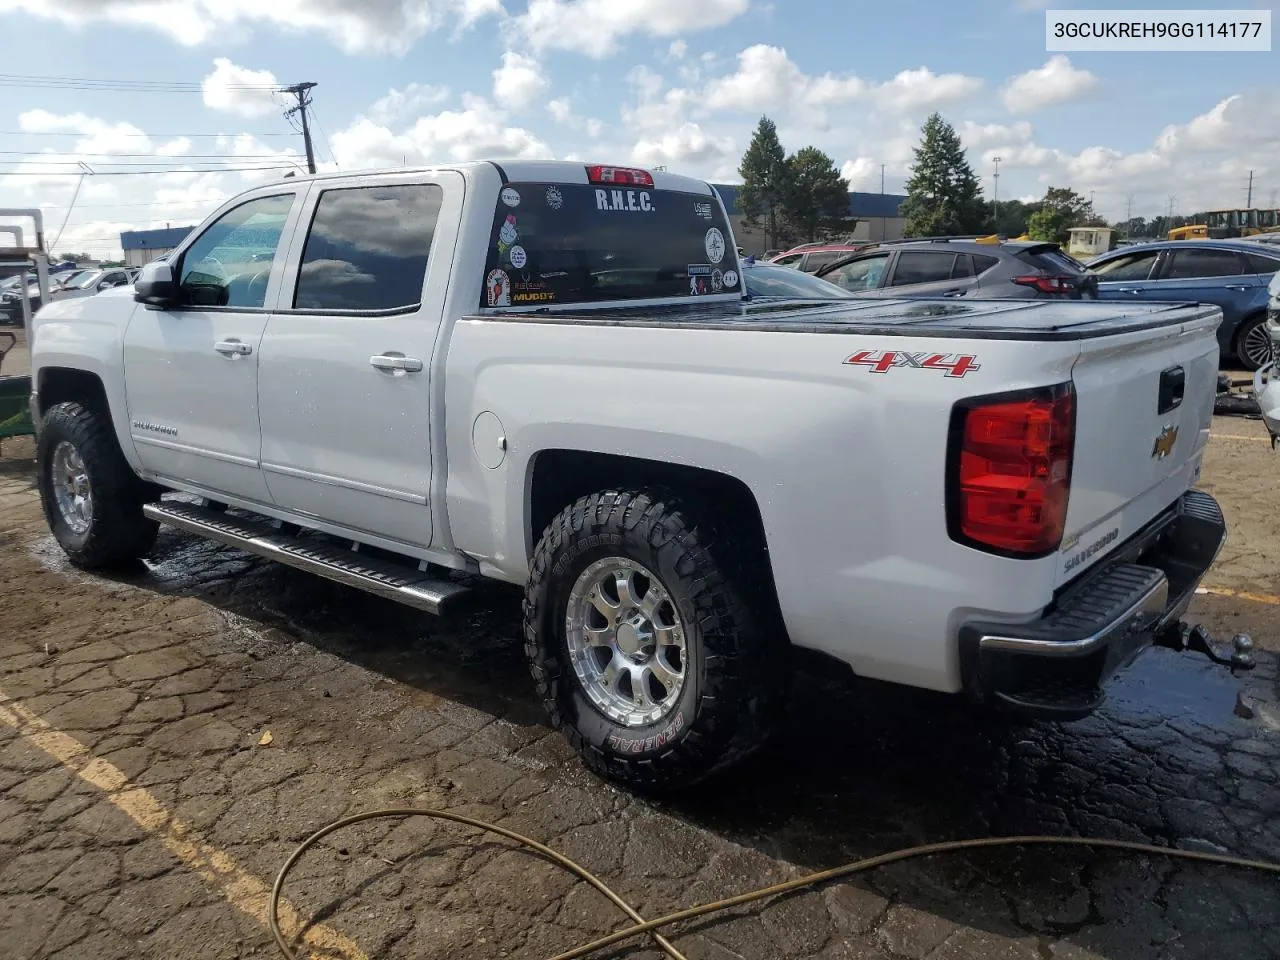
1238 288
395 363
232 347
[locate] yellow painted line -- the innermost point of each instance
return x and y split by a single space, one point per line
1267 598
242 890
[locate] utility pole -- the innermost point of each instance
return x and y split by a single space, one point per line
1249 202
300 90
995 196
1172 198
1128 210
882 166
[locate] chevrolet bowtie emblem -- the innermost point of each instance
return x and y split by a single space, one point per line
1164 443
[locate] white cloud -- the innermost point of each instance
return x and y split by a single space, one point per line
519 82
915 89
561 111
979 136
689 144
594 27
398 104
478 131
239 90
766 78
1056 82
677 50
356 26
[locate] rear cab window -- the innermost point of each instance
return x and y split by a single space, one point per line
1051 260
563 243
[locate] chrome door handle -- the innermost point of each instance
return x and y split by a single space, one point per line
1237 288
395 363
233 348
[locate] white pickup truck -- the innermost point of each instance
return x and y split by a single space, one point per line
548 374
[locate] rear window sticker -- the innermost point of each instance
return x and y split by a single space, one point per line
555 199
510 196
715 245
497 286
518 257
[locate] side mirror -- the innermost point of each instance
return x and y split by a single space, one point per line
105 285
155 286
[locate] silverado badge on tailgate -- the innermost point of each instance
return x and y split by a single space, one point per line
1164 443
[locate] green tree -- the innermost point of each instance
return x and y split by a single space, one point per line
943 194
1060 210
77 257
816 203
1011 220
765 180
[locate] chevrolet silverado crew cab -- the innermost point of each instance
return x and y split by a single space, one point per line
549 374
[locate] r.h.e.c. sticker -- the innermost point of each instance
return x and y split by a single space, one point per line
624 201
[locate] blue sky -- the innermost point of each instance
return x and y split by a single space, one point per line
648 81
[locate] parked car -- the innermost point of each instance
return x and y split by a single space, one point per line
809 257
89 282
1231 274
963 268
770 280
557 385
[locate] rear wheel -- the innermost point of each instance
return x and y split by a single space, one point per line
645 649
1253 346
92 498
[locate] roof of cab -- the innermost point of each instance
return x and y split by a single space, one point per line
536 171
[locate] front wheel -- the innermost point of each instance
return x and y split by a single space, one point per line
92 498
647 653
1253 345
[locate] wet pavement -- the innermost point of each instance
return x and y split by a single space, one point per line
174 674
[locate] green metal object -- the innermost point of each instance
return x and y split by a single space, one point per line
15 392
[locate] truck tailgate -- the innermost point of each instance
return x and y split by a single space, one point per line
1144 406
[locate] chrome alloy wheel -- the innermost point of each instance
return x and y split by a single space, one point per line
626 642
1256 346
71 488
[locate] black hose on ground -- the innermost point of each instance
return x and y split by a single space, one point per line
641 926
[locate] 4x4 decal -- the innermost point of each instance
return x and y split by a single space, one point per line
882 361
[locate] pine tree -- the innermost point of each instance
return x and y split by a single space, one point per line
817 199
943 195
765 179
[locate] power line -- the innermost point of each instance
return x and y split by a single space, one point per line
114 133
140 156
131 86
325 137
144 173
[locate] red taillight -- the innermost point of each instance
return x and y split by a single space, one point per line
1064 284
1009 474
620 176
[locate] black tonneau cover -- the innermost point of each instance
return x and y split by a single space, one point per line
977 319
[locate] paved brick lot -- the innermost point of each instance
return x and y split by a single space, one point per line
144 811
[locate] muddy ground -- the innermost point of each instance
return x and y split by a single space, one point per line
143 804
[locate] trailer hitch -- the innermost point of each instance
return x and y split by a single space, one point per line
1182 637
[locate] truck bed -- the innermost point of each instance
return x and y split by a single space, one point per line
970 319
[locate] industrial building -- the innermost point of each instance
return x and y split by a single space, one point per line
878 217
142 246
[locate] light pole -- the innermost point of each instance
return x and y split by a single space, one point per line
995 196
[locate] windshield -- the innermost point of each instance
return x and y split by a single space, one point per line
576 243
83 280
768 280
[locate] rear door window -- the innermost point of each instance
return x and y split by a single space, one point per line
862 274
367 248
922 268
1190 263
554 243
982 263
